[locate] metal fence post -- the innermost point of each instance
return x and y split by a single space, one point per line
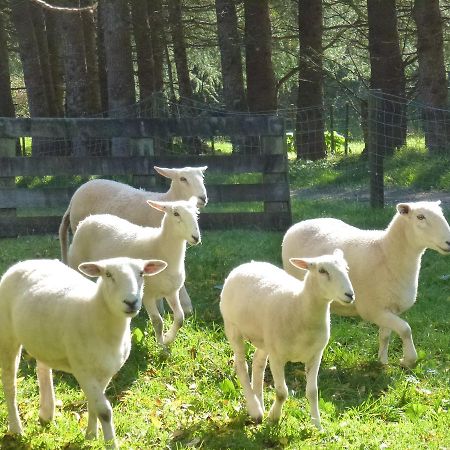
376 152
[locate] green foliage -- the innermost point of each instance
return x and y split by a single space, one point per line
334 142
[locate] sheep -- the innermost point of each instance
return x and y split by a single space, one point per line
106 236
384 264
110 197
286 320
67 322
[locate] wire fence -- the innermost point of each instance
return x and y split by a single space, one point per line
362 136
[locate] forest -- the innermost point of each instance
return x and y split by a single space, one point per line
294 58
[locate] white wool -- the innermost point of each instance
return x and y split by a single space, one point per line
106 236
67 322
384 264
110 197
285 319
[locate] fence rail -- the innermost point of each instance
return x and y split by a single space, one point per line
273 191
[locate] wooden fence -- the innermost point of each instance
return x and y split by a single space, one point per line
273 190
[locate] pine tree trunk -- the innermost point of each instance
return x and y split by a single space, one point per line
310 122
6 100
432 85
144 51
156 21
119 66
387 70
261 90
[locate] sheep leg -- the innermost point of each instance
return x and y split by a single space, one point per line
281 390
383 339
259 364
185 301
178 318
240 365
46 393
9 365
98 407
151 305
402 328
312 371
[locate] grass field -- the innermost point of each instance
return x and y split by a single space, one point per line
191 398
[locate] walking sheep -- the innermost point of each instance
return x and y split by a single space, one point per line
106 236
110 197
286 320
69 323
384 264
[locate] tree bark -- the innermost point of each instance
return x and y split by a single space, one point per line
432 85
261 87
310 122
387 70
6 100
144 51
157 30
230 55
119 65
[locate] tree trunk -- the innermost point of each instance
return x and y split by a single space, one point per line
231 62
6 101
192 143
261 88
310 122
387 70
144 51
32 70
92 69
119 66
38 18
102 59
55 58
157 30
230 55
432 85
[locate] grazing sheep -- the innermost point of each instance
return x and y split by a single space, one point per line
384 264
285 319
69 323
110 197
106 236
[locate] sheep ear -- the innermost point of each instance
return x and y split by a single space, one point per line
90 269
154 266
403 208
203 168
168 173
157 205
300 263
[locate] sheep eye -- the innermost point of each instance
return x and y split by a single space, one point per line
421 217
322 270
176 214
108 274
183 179
141 273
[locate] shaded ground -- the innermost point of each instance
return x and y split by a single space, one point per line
359 194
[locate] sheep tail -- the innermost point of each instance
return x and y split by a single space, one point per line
64 234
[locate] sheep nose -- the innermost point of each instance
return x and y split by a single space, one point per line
203 200
350 295
196 239
133 304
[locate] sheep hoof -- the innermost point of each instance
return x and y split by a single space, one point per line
45 421
408 363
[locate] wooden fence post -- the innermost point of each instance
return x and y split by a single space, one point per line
376 152
7 149
276 145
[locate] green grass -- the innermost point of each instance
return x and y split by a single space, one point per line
191 398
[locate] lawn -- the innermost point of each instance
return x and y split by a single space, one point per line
191 398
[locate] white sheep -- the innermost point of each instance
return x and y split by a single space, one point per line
69 323
106 236
286 320
110 197
384 264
